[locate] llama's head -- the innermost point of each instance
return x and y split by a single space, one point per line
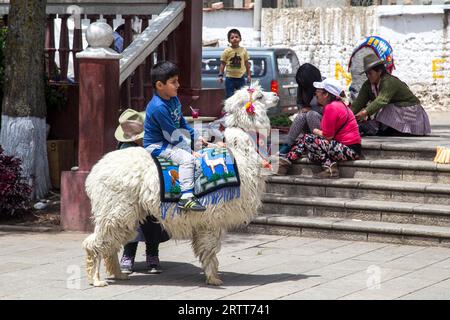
246 109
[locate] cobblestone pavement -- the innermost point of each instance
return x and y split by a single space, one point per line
51 266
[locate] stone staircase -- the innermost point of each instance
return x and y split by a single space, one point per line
395 194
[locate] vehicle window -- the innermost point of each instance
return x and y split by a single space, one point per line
210 65
287 63
258 67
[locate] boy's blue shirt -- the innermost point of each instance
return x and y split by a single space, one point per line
162 118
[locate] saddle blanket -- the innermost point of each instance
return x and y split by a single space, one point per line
216 179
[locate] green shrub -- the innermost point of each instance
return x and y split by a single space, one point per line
281 120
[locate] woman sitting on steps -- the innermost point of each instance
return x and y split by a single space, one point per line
338 138
309 114
394 109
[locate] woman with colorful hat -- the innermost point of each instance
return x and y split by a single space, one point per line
392 107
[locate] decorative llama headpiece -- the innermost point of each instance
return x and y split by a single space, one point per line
249 106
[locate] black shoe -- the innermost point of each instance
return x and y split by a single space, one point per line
153 265
190 204
126 264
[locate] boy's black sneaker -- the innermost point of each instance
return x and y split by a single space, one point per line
191 204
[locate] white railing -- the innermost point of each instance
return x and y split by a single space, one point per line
147 42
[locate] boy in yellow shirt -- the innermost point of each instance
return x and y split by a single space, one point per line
235 59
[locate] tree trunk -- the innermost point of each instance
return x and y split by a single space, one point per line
23 129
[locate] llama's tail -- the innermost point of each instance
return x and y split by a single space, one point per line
89 243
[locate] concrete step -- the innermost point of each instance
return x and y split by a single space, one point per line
396 193
411 148
375 151
389 169
346 229
351 188
367 210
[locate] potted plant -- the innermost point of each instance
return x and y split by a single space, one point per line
281 122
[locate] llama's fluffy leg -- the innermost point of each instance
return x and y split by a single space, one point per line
97 281
206 245
90 266
113 267
93 261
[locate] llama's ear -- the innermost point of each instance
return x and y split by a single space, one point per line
255 84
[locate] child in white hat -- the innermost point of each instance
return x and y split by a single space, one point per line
130 133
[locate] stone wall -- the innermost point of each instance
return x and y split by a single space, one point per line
326 38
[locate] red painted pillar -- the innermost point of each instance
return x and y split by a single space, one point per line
98 113
98 109
186 51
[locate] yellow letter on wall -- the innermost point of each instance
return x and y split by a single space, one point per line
347 76
435 67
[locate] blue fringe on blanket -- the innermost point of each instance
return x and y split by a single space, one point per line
212 198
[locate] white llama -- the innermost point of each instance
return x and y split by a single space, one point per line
124 189
213 163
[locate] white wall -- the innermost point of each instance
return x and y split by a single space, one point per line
421 44
217 23
326 38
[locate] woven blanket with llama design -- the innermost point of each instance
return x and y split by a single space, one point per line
216 179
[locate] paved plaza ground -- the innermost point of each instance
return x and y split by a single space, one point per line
51 266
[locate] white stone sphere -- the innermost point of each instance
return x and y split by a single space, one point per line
99 35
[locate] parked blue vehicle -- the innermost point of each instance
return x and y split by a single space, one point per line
274 68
